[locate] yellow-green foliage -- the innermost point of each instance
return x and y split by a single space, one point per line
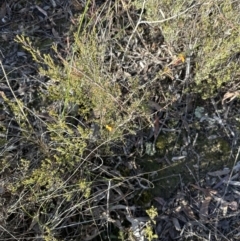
20 113
85 187
210 30
46 176
68 148
148 231
80 80
78 87
65 155
220 43
152 213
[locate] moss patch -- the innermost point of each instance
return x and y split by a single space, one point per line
211 155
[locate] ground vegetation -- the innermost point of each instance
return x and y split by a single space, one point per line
119 120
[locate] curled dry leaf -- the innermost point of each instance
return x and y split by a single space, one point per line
204 208
176 224
188 211
230 95
225 171
233 206
55 33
